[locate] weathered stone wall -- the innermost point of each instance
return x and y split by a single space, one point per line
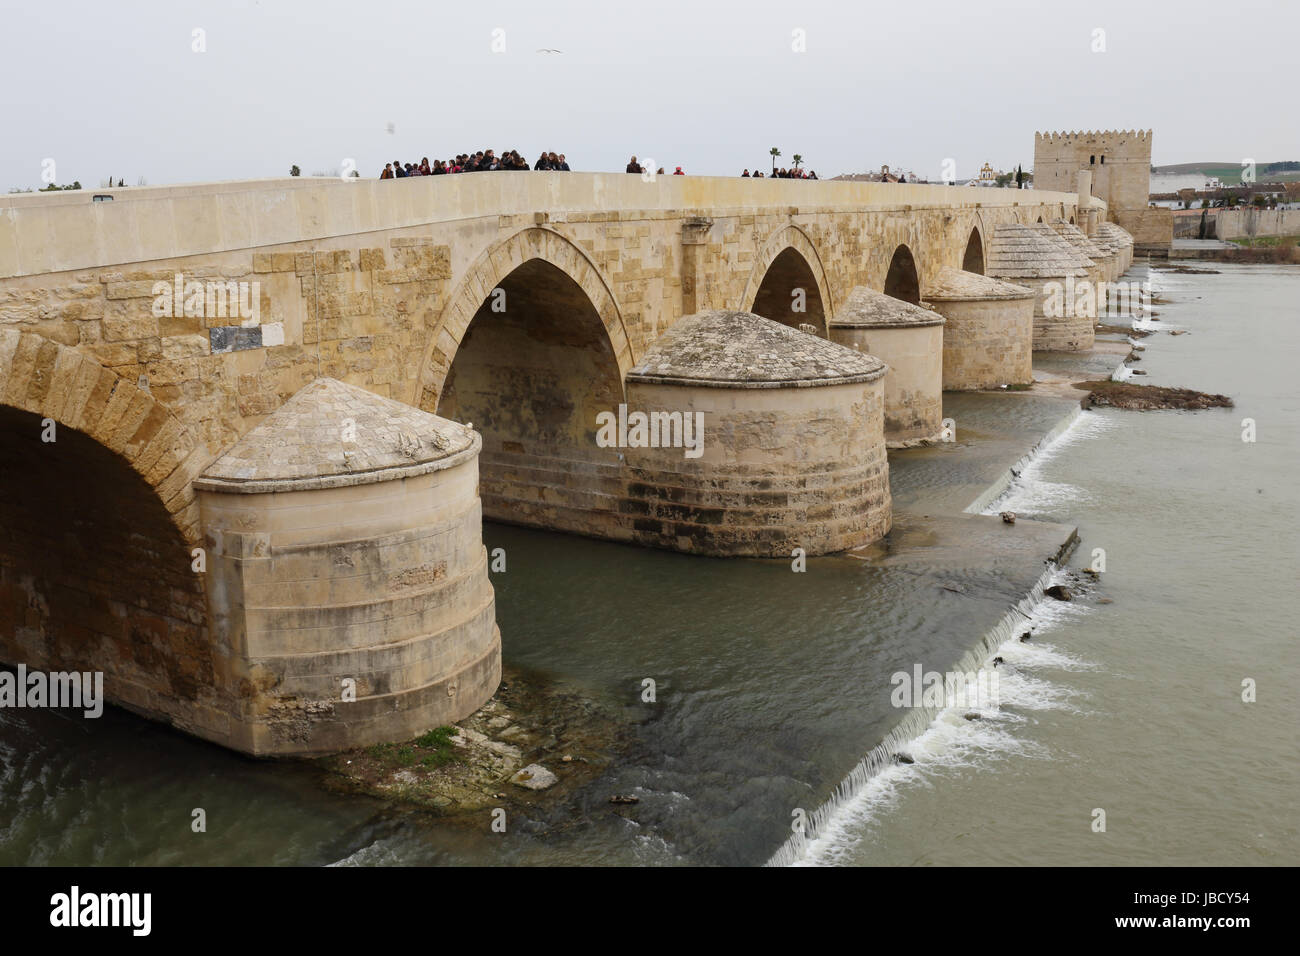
986 343
1236 223
384 583
914 383
782 468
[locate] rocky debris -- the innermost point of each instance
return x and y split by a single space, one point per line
997 661
458 771
1178 332
534 777
1124 330
622 799
1024 638
1138 371
903 758
1147 397
1060 592
972 716
1009 517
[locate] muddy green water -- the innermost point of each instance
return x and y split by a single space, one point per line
1136 707
771 686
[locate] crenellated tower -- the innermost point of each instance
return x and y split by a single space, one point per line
1120 164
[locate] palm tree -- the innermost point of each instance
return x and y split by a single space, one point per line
797 160
774 153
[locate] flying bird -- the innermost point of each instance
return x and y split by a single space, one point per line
549 50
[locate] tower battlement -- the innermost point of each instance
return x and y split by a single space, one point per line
1120 163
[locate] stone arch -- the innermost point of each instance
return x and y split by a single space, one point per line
486 274
97 529
795 258
973 258
1040 219
56 381
541 356
903 279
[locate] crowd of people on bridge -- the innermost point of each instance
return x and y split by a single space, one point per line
487 160
481 161
792 173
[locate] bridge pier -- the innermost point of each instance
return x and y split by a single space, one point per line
909 340
793 453
346 574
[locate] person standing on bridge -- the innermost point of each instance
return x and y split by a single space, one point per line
634 167
388 171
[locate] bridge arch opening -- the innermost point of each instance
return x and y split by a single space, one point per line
533 370
973 259
902 280
789 293
94 573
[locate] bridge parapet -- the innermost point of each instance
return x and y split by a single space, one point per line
69 230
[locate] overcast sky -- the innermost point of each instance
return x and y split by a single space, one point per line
116 88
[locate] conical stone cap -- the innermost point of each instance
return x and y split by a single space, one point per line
866 308
331 435
725 349
1018 251
1078 240
1115 232
957 285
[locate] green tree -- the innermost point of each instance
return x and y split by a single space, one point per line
774 153
797 160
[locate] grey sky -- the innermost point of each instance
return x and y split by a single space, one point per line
115 87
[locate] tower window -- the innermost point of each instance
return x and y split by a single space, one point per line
1092 160
1103 160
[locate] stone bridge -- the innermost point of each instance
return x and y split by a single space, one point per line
299 576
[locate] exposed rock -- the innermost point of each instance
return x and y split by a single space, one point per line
1009 517
1060 592
903 758
1147 397
622 799
972 716
534 777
